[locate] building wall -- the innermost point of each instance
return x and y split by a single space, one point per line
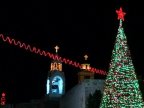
92 85
74 98
7 106
43 103
77 96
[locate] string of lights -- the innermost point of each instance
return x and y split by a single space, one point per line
33 49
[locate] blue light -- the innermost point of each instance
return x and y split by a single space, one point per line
48 86
57 84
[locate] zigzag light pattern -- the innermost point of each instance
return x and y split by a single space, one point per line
46 53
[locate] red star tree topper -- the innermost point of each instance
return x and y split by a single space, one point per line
120 14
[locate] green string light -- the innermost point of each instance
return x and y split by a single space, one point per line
121 86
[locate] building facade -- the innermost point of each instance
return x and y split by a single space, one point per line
77 96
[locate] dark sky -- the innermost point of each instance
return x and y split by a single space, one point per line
76 29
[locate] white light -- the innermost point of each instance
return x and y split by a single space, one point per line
48 86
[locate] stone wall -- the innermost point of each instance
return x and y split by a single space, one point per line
77 96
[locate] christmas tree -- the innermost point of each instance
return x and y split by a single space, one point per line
121 86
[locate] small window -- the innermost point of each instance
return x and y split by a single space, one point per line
54 86
55 89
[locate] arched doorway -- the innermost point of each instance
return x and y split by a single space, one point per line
57 85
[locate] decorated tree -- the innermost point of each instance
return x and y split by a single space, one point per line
121 86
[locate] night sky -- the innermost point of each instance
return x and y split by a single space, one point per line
76 29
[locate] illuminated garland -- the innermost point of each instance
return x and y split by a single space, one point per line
46 53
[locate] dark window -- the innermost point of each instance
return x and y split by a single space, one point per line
54 86
87 77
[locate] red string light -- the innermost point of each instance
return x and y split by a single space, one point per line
46 53
3 99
